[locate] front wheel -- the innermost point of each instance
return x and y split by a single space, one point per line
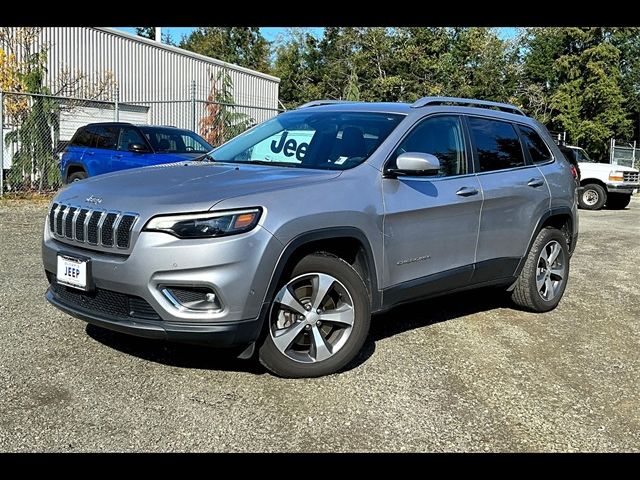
618 201
543 278
592 197
318 321
76 177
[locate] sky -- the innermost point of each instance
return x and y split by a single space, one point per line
271 33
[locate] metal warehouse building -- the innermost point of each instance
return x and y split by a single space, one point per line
148 71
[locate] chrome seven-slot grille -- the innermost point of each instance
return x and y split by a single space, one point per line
632 177
91 226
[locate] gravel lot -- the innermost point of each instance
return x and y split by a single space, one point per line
458 373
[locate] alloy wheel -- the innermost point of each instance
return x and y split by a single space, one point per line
311 317
551 270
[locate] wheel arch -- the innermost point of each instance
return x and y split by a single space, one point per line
349 242
558 217
586 181
73 168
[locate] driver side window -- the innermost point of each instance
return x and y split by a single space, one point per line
440 136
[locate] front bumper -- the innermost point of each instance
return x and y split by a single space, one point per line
629 188
217 335
238 268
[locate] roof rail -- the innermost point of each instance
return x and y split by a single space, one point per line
505 107
317 103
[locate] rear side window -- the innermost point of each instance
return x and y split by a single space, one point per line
82 138
103 136
497 144
536 147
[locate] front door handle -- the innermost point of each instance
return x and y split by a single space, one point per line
467 191
535 182
117 156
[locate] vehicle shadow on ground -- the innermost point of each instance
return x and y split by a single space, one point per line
401 319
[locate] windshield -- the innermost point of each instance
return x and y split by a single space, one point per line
172 140
308 139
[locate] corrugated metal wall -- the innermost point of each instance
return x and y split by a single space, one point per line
147 70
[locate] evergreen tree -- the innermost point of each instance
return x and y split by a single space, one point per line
244 46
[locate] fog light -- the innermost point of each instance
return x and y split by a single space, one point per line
201 299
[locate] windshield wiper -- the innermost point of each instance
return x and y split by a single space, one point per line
267 162
204 157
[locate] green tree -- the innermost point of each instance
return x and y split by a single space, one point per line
575 79
244 46
37 117
222 120
396 64
146 32
352 92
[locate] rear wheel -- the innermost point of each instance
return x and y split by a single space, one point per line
618 201
77 176
543 278
592 197
318 321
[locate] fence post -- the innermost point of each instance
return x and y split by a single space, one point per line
116 104
1 144
612 146
193 105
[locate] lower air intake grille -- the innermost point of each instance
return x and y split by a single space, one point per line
103 302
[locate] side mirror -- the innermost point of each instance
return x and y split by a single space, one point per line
138 148
415 164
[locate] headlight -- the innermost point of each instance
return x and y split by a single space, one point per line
206 225
616 176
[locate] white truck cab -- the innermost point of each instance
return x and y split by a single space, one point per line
603 183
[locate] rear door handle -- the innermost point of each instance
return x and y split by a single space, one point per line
467 191
117 156
535 182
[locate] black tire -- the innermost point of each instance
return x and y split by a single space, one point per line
618 201
592 197
76 176
282 365
526 293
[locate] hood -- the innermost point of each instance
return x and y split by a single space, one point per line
183 187
604 167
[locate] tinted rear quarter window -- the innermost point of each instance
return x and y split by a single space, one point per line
82 138
536 147
497 144
103 136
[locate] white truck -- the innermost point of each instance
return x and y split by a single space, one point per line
602 183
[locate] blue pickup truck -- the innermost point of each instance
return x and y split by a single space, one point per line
99 148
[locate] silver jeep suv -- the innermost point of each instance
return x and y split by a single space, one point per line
292 234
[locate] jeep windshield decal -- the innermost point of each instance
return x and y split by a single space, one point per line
319 140
287 146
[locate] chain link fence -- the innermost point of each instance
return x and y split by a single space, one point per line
623 153
36 129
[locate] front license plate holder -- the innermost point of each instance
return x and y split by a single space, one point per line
74 271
